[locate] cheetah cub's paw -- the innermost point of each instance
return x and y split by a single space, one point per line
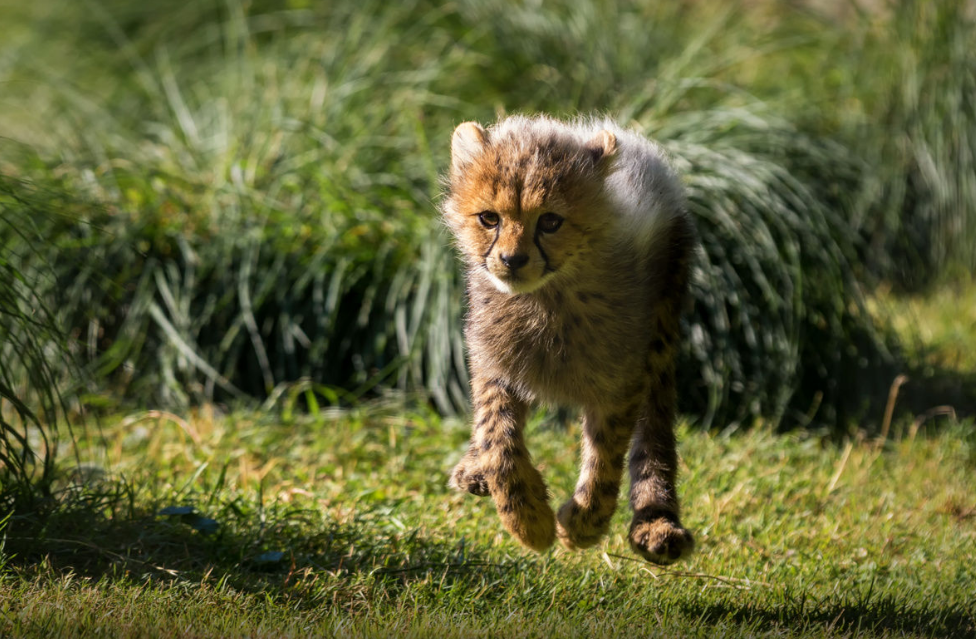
523 506
469 476
660 540
579 527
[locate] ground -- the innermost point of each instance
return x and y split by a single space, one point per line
341 523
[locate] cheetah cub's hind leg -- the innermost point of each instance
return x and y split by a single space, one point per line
584 519
498 463
656 532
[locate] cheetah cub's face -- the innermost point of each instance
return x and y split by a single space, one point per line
526 206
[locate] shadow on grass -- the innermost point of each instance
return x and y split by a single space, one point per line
845 616
925 392
914 394
288 554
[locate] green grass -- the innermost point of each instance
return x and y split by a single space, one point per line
938 325
342 524
937 329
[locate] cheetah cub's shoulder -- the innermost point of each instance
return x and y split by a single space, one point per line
577 245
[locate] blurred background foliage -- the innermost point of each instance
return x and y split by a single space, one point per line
231 201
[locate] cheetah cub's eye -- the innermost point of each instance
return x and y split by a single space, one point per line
550 222
488 219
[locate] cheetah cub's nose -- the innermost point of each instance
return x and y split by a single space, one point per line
514 261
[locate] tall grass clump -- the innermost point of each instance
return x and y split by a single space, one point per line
778 329
32 357
897 87
934 106
263 215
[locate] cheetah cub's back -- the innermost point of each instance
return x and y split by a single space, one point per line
577 244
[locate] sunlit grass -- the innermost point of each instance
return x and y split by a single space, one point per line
343 523
938 326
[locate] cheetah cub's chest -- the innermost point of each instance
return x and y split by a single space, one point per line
561 345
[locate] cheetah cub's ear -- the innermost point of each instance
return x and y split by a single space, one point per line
467 142
601 146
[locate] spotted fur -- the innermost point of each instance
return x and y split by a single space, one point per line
577 247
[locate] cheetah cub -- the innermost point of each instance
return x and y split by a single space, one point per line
577 245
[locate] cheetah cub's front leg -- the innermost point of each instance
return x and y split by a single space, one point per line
498 463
